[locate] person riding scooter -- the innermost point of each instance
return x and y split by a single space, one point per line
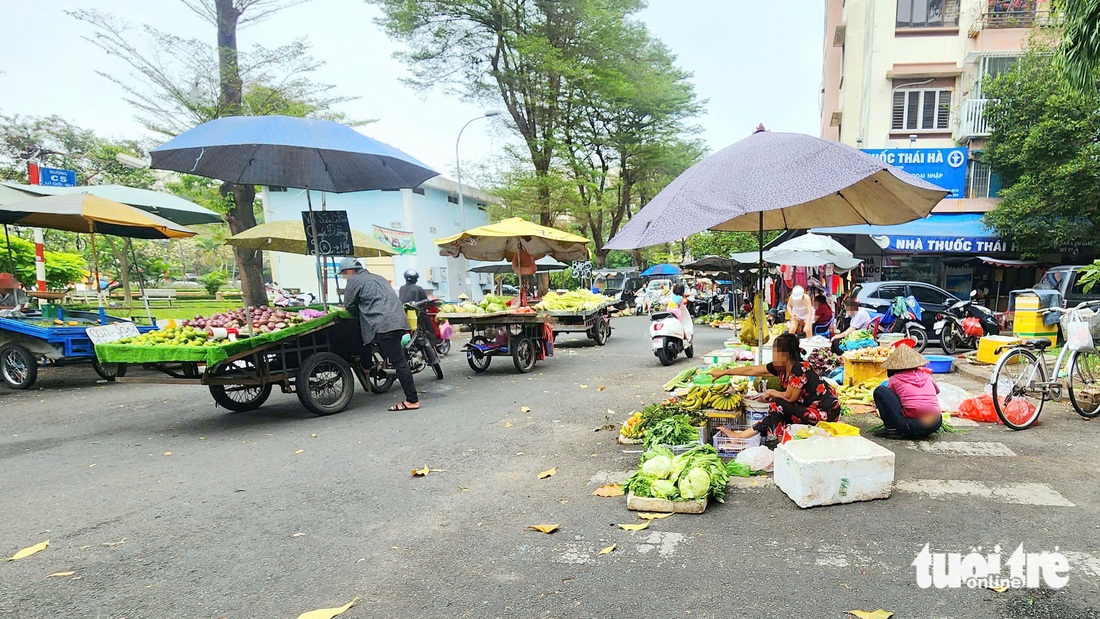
411 292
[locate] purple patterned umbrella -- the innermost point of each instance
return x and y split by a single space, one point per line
778 181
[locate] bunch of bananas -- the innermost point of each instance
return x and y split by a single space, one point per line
861 393
632 427
718 397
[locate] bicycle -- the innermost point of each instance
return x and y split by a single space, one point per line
1020 385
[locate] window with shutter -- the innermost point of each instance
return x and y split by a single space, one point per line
927 13
921 110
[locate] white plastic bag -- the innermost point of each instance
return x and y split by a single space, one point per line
1078 335
758 458
950 397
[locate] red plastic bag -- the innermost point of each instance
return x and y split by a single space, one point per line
973 327
978 408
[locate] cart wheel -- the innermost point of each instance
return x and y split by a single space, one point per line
241 397
378 378
18 367
524 354
602 331
479 362
325 383
109 371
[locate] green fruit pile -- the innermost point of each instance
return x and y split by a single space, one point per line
173 336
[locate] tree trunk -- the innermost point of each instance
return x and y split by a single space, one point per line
124 267
241 217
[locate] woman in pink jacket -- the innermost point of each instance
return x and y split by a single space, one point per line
907 404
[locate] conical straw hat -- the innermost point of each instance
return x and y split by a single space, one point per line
904 358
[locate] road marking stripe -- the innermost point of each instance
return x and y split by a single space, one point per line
1015 493
963 448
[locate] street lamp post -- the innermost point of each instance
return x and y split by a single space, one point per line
458 173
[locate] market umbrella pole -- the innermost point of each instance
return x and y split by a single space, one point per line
760 292
321 279
7 241
98 292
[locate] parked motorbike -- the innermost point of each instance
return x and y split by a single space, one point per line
964 323
703 305
671 335
418 351
905 317
439 334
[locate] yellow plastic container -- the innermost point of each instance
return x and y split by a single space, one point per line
856 372
411 314
988 345
1028 322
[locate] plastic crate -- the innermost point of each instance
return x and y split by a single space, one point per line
679 449
728 446
716 419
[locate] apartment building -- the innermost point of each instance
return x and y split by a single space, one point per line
902 80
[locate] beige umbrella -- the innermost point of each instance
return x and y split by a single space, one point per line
289 237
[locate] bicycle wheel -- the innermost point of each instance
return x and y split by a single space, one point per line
1083 383
1017 398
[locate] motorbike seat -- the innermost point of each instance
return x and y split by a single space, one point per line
1037 344
660 315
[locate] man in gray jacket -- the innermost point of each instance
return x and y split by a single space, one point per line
381 319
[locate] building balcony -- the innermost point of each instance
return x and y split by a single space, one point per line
1002 14
972 122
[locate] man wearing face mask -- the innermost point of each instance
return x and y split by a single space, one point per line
858 318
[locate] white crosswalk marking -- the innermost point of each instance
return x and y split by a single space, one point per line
962 448
1015 493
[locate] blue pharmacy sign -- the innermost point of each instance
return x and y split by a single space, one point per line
56 177
944 167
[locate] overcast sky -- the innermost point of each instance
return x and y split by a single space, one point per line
753 61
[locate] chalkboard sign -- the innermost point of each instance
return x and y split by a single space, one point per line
333 233
112 332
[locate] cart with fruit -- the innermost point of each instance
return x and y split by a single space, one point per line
523 334
31 341
312 355
578 311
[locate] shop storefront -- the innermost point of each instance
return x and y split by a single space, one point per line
952 250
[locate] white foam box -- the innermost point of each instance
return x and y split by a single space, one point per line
828 471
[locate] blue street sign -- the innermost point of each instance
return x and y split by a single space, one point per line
56 177
943 167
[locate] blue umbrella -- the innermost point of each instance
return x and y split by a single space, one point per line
290 152
661 269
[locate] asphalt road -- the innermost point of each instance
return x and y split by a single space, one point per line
276 512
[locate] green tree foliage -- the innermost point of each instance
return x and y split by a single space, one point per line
1045 146
58 143
213 281
62 268
1081 41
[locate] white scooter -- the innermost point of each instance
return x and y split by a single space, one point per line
671 335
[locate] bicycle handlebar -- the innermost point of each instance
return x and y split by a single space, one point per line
1079 307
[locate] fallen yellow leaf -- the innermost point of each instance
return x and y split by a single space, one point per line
544 528
652 516
609 490
584 386
635 527
548 473
29 550
871 614
421 472
167 453
299 451
328 613
600 388
1000 589
508 424
525 409
314 435
608 550
60 574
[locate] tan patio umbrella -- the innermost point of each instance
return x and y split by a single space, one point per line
290 237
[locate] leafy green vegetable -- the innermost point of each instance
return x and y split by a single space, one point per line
658 466
665 489
737 469
639 484
676 430
695 484
658 450
703 457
